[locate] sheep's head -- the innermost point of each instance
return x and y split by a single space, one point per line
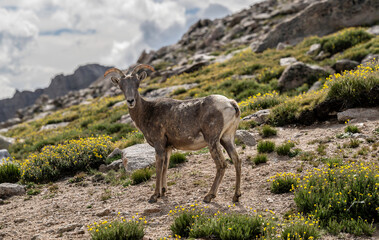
129 83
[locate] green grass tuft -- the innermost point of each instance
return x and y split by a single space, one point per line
265 146
177 158
141 175
268 131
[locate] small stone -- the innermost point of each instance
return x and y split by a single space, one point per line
151 211
105 212
269 200
19 220
36 237
287 61
68 228
314 49
97 178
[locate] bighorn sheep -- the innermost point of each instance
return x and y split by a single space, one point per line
186 125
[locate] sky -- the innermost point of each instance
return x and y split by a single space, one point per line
40 39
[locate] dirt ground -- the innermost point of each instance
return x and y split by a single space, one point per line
66 213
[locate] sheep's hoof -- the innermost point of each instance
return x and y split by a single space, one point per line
208 198
163 192
236 197
153 198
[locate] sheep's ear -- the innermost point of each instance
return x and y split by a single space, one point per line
141 76
115 80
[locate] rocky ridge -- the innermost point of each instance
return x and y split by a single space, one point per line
50 97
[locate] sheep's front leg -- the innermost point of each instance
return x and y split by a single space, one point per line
165 168
159 159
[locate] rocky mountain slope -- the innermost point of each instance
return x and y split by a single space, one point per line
294 129
269 24
60 85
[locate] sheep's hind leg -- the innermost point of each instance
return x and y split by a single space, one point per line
227 143
218 157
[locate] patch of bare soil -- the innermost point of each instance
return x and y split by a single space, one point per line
65 212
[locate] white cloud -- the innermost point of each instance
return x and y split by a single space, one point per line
41 38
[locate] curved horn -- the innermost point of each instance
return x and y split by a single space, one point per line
135 70
114 70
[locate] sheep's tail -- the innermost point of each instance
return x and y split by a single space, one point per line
235 105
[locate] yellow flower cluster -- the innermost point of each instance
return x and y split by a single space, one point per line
104 225
254 102
70 156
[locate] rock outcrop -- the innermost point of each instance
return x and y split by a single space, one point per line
321 18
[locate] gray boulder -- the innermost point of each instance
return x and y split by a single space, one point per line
11 189
344 64
139 156
359 114
259 117
4 154
5 142
299 73
245 137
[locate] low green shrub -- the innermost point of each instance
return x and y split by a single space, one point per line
246 125
64 159
344 39
353 143
268 131
352 129
117 230
194 223
265 146
177 158
178 91
283 182
344 192
9 172
299 228
357 227
109 160
183 223
332 162
229 227
260 158
259 101
285 148
354 88
141 175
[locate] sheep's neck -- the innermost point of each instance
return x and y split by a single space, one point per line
138 110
